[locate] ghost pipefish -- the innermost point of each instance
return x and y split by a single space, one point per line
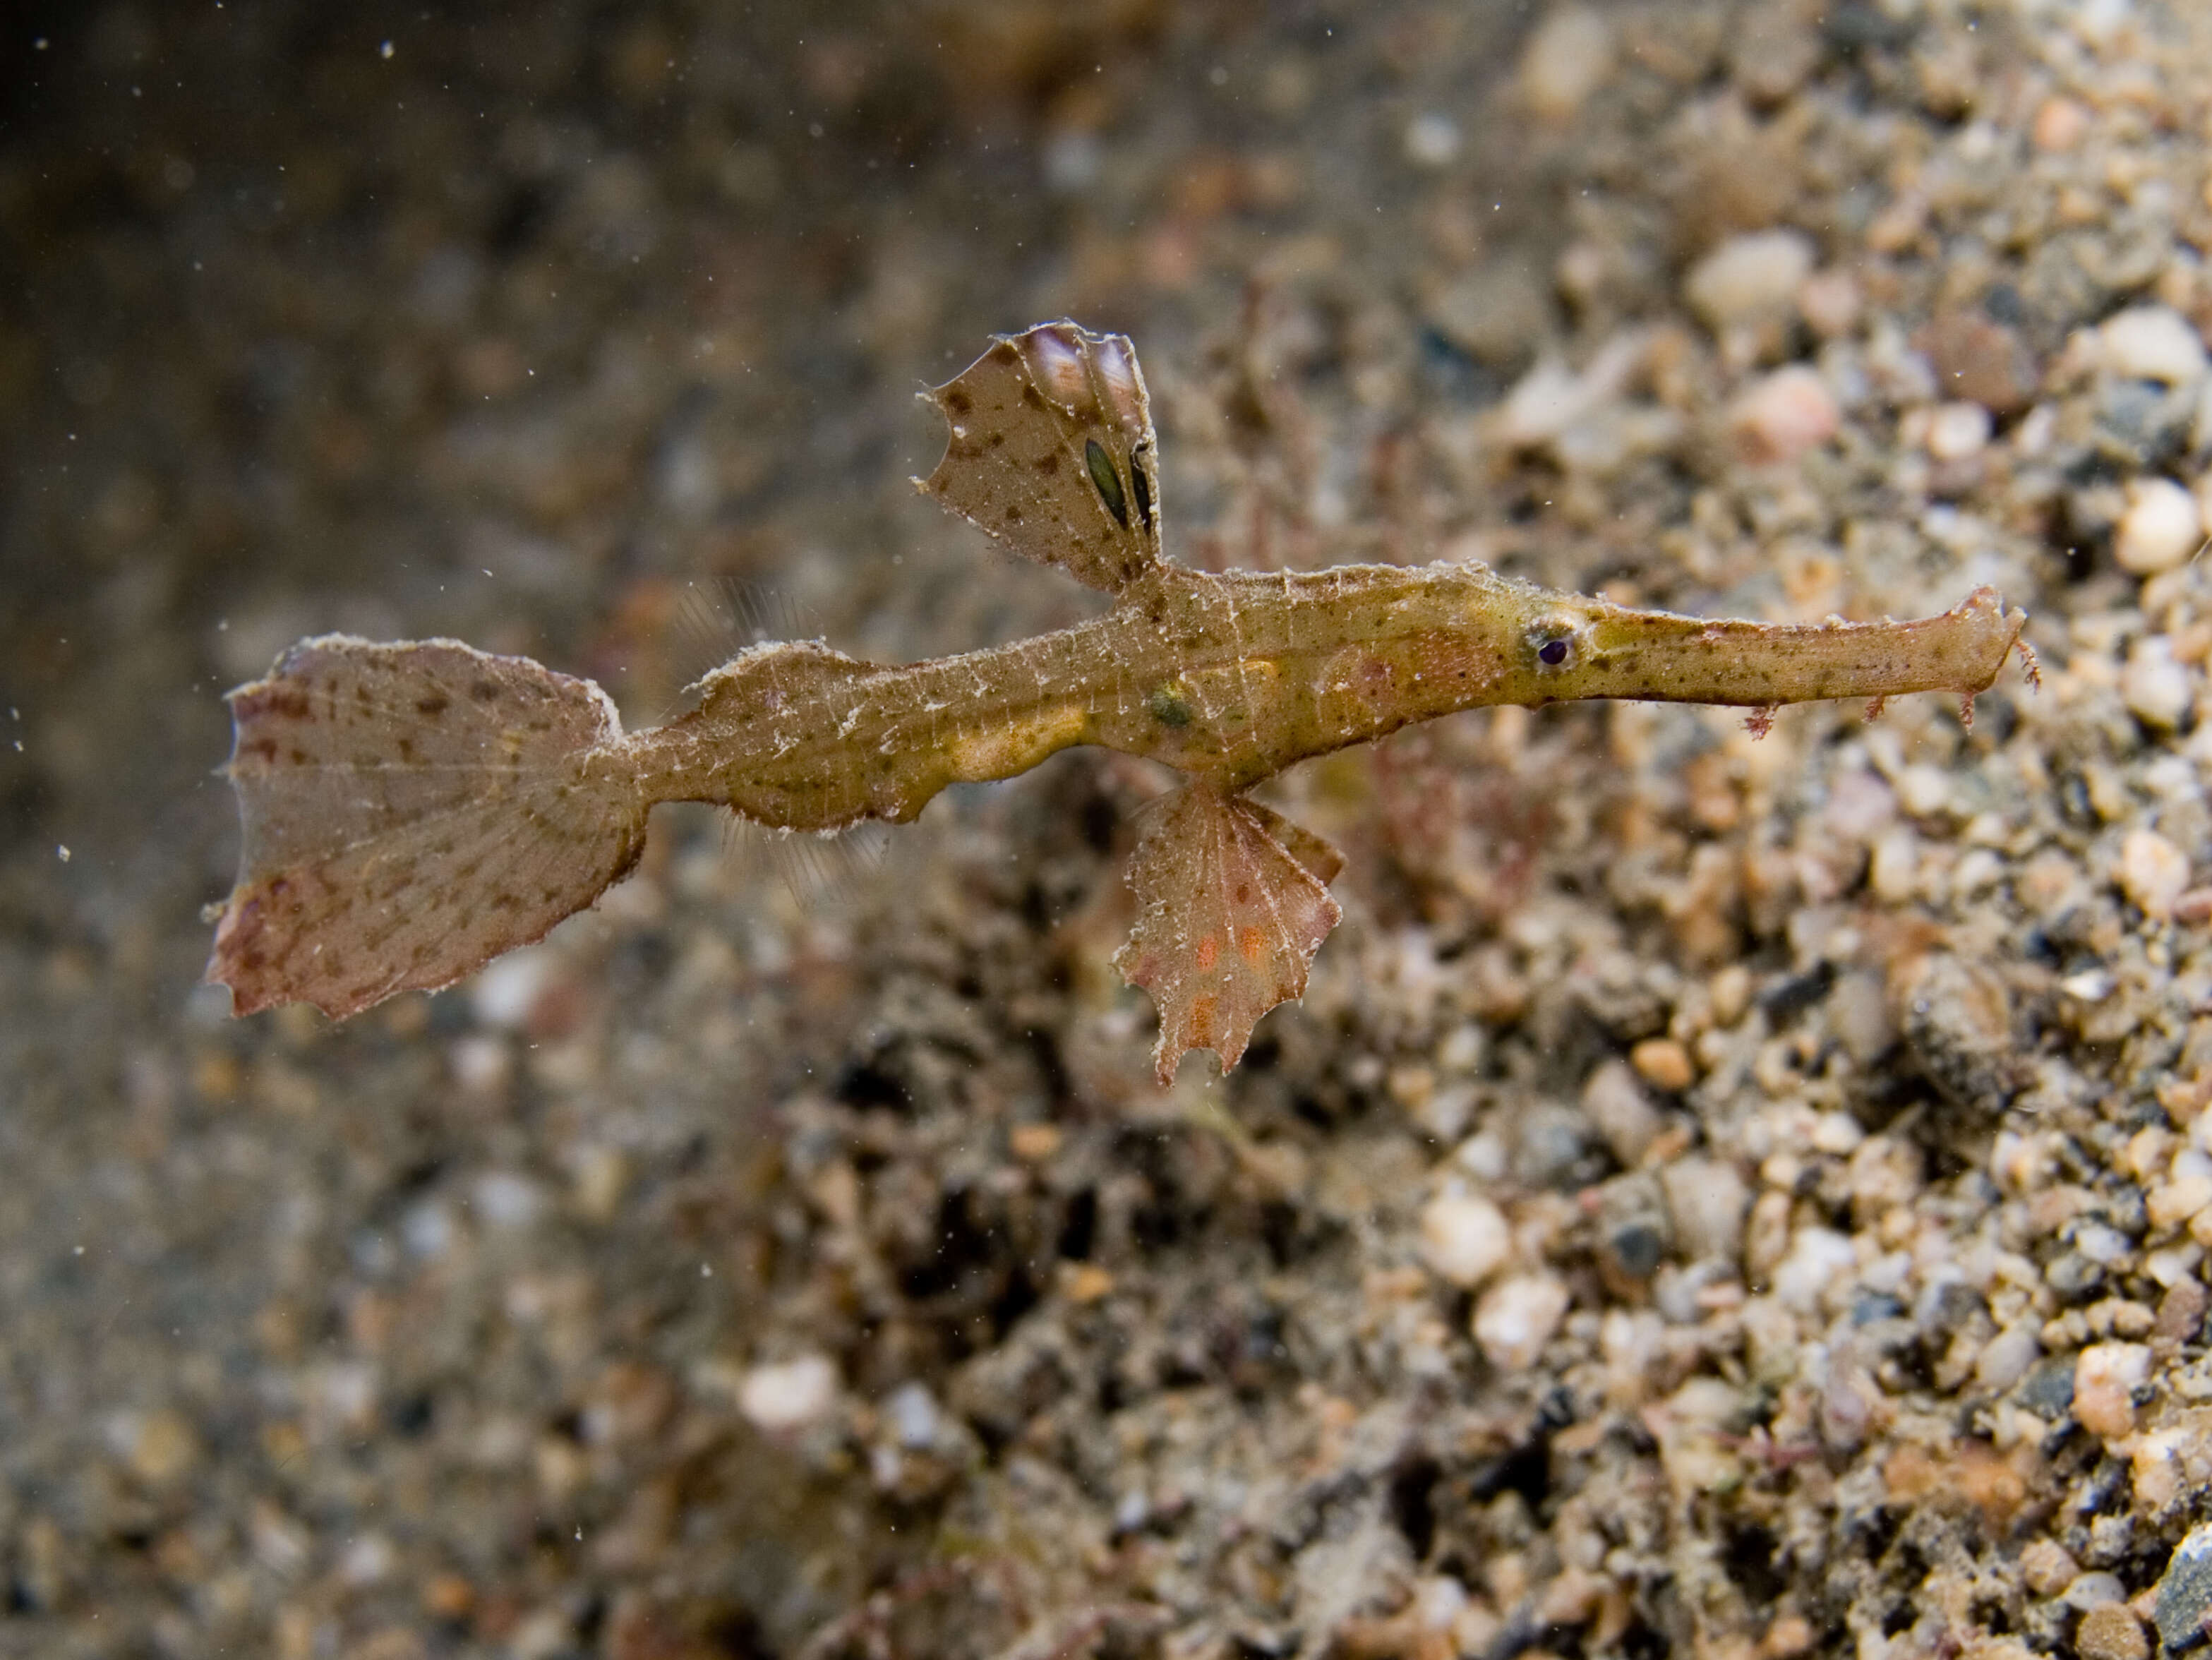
411 811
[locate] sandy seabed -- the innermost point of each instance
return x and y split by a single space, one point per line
1721 1197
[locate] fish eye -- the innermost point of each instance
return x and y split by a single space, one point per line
1553 643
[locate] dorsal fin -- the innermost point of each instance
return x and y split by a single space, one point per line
1052 453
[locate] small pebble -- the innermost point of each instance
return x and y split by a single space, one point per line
1707 1200
1781 415
2181 1311
1464 1239
1893 872
1859 1014
1818 1258
1923 790
2073 1276
1958 432
367 1561
2106 1247
1549 1141
2153 342
506 992
1771 48
913 1417
2154 873
1543 403
1132 1510
448 1596
2046 1567
1438 1602
1750 279
1955 1013
2059 126
2093 1591
506 1200
2157 689
428 1230
1860 804
2112 1632
2185 1592
2155 1472
788 1395
1624 1115
1976 360
2005 1358
2160 530
1830 302
2090 986
1663 1063
1567 59
1730 988
1484 1156
1847 1403
1499 311
1432 140
163 1447
1789 1636
1837 1134
2104 1378
601 1177
481 1063
1517 1317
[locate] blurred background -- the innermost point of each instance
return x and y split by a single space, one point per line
804 1264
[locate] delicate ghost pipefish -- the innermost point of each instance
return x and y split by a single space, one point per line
410 811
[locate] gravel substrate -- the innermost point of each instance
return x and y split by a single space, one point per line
1733 1197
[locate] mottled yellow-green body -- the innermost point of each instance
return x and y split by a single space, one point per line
1233 677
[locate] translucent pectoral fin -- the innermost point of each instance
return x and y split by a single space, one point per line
1229 918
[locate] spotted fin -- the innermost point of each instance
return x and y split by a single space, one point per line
1052 453
1232 906
410 811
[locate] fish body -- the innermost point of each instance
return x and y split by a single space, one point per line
413 810
1235 677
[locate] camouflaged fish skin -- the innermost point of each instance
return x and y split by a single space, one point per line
1234 677
413 810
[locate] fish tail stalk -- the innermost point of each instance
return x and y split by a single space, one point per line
1663 658
410 811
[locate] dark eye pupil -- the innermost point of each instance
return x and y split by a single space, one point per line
1551 653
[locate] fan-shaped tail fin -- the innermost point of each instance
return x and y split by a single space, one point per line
410 811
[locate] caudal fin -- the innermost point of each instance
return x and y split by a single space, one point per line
410 811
